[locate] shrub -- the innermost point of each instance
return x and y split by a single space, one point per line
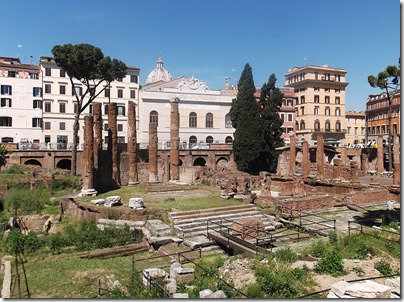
332 264
384 267
286 255
319 249
254 291
333 238
14 242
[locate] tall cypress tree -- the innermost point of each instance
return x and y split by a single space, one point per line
244 114
271 131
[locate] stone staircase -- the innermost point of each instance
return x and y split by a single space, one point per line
188 224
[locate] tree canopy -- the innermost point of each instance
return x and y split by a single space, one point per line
86 63
389 76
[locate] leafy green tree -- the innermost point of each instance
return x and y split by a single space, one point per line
87 64
244 114
385 80
271 122
3 153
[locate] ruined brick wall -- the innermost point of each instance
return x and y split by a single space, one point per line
371 195
288 188
308 203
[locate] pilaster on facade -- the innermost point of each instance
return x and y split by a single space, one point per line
60 104
20 103
320 102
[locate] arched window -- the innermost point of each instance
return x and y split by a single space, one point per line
209 120
192 120
227 120
209 139
228 140
192 141
338 126
302 125
297 125
317 125
154 117
327 125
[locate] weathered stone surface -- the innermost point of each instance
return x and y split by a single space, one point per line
152 273
171 286
204 293
174 140
394 284
153 140
97 141
219 294
181 274
136 203
132 143
102 223
339 288
248 228
88 154
113 141
112 201
98 201
181 296
320 156
292 162
305 159
368 289
157 227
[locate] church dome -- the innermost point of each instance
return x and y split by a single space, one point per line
159 73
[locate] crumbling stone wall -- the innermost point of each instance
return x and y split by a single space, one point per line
370 195
307 203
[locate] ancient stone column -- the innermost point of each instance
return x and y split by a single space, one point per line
306 159
365 163
396 160
153 140
113 137
88 158
97 141
354 172
292 164
320 156
336 171
380 155
174 140
132 144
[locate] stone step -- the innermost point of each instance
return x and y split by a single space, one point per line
210 212
229 216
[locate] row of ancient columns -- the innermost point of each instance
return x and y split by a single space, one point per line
336 169
100 172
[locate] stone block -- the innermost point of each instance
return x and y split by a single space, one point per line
204 293
368 290
180 296
216 295
171 286
98 201
112 201
152 273
181 274
394 284
339 288
136 203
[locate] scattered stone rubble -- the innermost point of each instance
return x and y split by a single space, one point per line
367 289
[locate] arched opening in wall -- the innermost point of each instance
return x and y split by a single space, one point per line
229 140
180 163
65 164
209 139
221 163
200 162
192 141
33 162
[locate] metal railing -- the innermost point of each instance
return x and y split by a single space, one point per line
373 231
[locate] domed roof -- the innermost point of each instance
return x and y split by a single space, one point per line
159 73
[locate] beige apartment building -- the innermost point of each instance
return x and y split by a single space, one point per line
59 104
355 129
320 102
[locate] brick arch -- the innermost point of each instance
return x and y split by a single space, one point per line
34 162
64 163
199 161
222 162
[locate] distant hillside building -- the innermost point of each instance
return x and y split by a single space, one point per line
320 103
20 102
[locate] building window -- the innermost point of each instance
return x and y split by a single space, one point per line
337 100
90 108
62 89
47 139
48 88
120 110
120 127
317 125
48 106
33 76
327 125
133 94
356 130
134 79
37 104
327 110
302 110
120 93
62 73
77 90
193 120
316 88
338 126
337 111
326 76
107 92
209 139
338 78
48 72
327 99
11 74
316 75
37 91
290 117
192 141
6 121
227 121
62 107
327 89
106 109
5 102
228 140
282 117
6 89
316 99
120 139
302 100
337 90
154 117
36 122
75 107
119 79
62 126
47 125
348 130
302 125
209 121
316 110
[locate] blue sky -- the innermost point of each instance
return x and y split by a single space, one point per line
214 39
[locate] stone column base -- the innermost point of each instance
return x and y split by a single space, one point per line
88 192
133 183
